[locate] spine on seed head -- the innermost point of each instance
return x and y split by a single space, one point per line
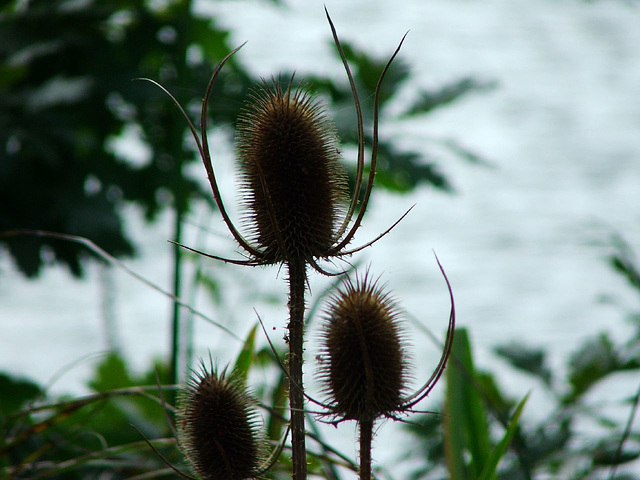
219 428
364 370
293 183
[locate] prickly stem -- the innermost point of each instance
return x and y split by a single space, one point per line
366 435
297 282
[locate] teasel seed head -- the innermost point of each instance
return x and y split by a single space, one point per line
365 367
293 183
219 428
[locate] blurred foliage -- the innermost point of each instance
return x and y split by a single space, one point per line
456 444
104 434
66 93
80 437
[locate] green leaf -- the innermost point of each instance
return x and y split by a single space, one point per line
491 468
210 283
624 262
15 393
607 452
596 359
430 100
111 373
245 357
367 70
279 396
530 360
466 429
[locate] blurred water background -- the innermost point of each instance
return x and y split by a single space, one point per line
524 239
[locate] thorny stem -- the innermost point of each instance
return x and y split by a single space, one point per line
297 282
366 434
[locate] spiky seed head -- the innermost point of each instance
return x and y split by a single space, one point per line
364 368
287 147
218 428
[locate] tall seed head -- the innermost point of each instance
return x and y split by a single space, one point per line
288 151
218 428
365 369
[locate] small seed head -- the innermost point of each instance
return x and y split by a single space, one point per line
293 184
218 428
365 369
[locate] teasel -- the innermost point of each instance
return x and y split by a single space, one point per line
364 346
364 369
293 182
218 428
288 145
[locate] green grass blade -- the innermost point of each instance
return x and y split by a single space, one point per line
491 468
466 420
246 356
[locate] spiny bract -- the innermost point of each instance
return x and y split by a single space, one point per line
293 183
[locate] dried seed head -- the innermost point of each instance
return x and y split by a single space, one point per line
365 369
218 428
294 185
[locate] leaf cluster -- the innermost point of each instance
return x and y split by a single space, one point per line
476 407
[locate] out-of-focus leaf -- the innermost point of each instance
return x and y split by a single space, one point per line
245 357
427 445
592 362
549 439
117 415
402 172
211 285
606 452
463 152
430 100
491 394
278 400
111 373
212 40
491 468
625 263
530 360
367 71
466 429
15 393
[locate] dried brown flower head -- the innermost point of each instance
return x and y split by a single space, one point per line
218 428
366 363
294 184
292 177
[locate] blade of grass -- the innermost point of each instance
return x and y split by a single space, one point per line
466 420
491 468
246 356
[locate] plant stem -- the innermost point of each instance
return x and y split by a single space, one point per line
366 434
181 196
297 281
177 290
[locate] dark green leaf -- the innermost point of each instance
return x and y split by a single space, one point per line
246 356
16 393
466 428
607 452
596 359
530 360
444 95
491 468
